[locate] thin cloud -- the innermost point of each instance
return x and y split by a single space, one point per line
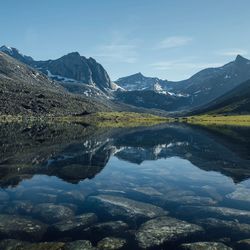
233 52
178 64
115 52
174 41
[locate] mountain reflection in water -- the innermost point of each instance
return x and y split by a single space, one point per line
108 182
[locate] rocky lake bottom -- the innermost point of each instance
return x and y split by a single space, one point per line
72 187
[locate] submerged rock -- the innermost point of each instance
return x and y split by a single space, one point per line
11 244
79 245
18 207
205 246
125 208
44 246
192 200
73 196
165 230
221 228
243 244
4 196
22 245
75 224
16 227
38 194
52 213
221 212
111 243
104 229
240 194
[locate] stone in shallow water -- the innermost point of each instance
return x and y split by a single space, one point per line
21 245
125 208
75 224
4 196
38 194
193 200
223 212
240 194
205 246
52 213
225 228
104 229
148 191
18 207
73 196
79 245
17 227
11 244
243 244
44 246
111 243
165 230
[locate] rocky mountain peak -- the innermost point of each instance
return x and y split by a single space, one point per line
241 59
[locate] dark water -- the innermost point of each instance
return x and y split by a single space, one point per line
65 183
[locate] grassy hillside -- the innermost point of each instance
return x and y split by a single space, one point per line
235 102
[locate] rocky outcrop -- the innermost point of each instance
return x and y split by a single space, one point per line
111 243
74 225
16 227
225 228
205 246
130 210
51 213
111 228
165 230
218 212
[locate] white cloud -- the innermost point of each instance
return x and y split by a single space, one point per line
115 52
233 52
174 41
179 64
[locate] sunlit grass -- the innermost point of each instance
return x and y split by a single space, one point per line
233 120
100 119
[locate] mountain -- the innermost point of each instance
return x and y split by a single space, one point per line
152 99
70 70
16 54
236 101
211 83
24 90
140 82
198 90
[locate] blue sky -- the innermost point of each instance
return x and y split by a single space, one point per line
169 39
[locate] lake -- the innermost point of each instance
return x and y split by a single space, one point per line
74 186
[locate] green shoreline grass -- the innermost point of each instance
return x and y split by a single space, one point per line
131 119
229 120
99 119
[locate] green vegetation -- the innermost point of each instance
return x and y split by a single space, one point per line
131 119
231 120
99 119
127 119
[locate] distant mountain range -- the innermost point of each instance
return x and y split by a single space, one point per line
198 90
88 79
140 82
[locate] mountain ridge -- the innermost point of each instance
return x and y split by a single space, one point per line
70 69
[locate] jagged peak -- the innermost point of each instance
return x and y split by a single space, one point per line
240 58
5 48
73 54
